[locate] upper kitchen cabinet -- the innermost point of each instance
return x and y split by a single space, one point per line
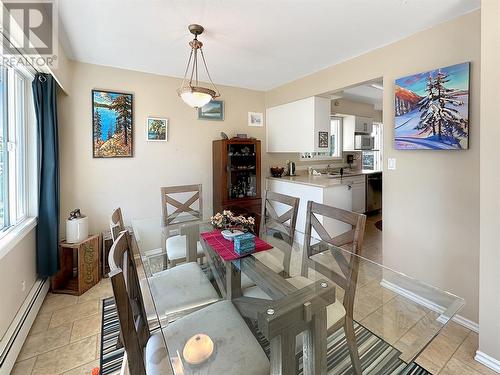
296 126
356 131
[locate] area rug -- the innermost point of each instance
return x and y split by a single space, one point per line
111 355
377 356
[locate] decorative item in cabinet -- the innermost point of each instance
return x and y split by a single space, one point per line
79 266
237 176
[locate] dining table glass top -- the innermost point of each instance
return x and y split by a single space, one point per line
299 293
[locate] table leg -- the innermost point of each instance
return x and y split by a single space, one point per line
283 354
233 281
314 347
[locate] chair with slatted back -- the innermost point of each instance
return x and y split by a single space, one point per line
146 354
279 217
180 290
175 212
339 265
220 320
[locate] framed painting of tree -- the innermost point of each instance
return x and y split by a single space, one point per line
112 124
432 110
157 129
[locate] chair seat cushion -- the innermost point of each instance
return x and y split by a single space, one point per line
272 259
181 289
246 282
177 247
156 356
255 292
236 349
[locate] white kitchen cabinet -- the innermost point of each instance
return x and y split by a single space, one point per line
363 125
352 125
295 126
358 187
339 196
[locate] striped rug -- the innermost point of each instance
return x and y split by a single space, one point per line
111 357
377 356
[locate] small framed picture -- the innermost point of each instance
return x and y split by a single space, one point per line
213 110
255 119
323 140
157 129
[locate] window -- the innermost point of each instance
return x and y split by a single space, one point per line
372 160
16 120
335 146
336 137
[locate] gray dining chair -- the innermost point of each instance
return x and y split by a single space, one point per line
237 350
177 291
340 266
179 205
279 215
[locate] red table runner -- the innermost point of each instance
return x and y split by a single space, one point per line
225 248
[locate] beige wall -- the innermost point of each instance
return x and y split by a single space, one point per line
431 202
18 265
97 186
348 107
489 308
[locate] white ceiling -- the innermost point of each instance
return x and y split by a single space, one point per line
365 94
257 44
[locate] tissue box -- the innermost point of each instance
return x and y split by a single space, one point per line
244 243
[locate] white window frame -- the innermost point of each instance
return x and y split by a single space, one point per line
337 156
22 159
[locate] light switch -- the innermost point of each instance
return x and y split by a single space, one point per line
391 163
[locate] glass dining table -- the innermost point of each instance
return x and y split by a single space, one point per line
330 313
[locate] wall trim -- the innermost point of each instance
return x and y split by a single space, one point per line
467 323
21 325
488 361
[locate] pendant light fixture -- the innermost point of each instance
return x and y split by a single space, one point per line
190 91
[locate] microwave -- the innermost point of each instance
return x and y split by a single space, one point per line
364 142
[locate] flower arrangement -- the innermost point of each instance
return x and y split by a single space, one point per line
228 220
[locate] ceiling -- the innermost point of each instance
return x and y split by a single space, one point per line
369 93
258 44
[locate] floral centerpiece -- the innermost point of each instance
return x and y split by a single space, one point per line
229 221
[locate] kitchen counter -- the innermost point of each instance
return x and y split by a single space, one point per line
322 181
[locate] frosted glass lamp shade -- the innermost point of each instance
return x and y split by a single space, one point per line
196 97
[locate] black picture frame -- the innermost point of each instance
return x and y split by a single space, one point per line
96 105
323 139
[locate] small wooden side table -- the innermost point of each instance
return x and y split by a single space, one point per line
79 263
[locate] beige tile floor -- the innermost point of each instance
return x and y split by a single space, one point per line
65 336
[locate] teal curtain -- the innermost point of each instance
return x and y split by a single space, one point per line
47 233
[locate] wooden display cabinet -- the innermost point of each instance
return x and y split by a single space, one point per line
237 177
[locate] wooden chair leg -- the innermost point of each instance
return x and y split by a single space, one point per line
352 345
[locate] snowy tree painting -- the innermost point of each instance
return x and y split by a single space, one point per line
432 110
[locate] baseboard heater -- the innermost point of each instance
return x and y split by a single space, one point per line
13 340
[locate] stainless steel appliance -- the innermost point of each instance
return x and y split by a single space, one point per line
364 142
373 191
291 168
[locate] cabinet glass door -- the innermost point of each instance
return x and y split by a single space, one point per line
241 168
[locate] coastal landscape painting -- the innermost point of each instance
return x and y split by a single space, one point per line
112 124
432 110
213 110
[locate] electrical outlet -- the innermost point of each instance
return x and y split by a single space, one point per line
391 163
23 285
